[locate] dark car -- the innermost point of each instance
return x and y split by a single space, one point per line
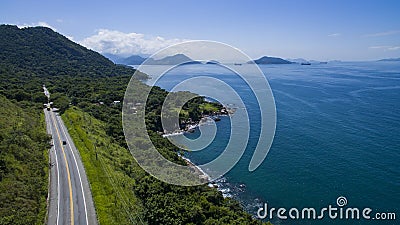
64 142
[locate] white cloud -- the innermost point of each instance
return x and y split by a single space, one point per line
386 47
40 24
334 35
394 48
380 34
125 44
379 47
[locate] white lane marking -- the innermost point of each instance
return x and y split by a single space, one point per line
71 203
58 187
77 168
58 171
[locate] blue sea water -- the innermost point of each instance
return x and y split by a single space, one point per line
337 134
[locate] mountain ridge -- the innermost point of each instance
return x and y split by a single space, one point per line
138 59
169 60
270 60
42 50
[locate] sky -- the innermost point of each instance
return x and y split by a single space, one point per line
320 30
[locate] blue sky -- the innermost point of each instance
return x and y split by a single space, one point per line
322 30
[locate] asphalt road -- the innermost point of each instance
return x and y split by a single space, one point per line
70 200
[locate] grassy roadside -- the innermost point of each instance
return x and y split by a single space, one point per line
42 215
106 165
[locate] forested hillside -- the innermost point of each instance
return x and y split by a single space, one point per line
83 84
23 163
31 57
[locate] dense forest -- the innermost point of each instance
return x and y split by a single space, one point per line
83 85
23 163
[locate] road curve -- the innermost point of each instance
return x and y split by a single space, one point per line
70 200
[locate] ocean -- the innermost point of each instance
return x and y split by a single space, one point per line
337 135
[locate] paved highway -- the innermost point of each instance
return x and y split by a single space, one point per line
70 199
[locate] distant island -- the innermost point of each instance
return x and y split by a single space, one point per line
298 60
181 59
212 62
131 60
390 60
169 60
138 60
270 60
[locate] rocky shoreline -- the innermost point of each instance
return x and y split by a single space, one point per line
196 169
190 126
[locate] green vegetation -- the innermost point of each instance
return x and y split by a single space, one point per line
210 107
108 167
31 57
191 110
114 174
83 85
23 164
